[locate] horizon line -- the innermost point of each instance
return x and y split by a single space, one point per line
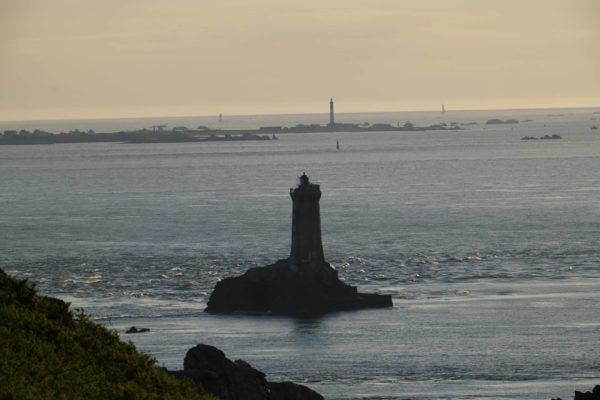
447 111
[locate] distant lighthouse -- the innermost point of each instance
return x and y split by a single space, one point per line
331 120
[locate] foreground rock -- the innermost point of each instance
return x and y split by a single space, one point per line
236 380
593 395
304 283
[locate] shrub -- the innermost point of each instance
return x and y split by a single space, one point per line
47 352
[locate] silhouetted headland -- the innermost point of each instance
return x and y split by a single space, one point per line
302 284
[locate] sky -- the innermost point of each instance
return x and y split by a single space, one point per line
125 58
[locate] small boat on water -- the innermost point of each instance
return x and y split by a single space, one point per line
337 144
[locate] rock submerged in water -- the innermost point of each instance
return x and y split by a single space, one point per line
281 289
236 380
302 284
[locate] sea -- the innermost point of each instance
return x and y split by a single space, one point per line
488 244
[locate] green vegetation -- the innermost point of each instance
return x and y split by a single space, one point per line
48 352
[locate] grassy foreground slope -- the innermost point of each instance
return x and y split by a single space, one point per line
48 352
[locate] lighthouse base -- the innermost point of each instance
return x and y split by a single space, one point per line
286 289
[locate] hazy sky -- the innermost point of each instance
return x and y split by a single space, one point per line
115 58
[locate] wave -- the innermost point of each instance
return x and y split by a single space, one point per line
142 280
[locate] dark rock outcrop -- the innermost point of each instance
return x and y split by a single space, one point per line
236 380
593 395
282 289
291 391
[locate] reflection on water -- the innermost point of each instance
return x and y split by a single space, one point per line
307 325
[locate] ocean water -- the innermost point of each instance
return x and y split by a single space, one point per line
488 244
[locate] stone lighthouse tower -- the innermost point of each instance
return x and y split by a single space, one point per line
304 283
307 247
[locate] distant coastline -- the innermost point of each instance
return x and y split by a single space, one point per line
240 127
158 133
200 134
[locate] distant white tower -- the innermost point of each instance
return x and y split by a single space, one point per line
331 120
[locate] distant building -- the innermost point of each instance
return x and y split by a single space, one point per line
331 117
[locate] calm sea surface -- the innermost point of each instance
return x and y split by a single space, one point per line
489 245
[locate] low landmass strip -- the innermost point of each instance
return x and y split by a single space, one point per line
158 134
496 121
